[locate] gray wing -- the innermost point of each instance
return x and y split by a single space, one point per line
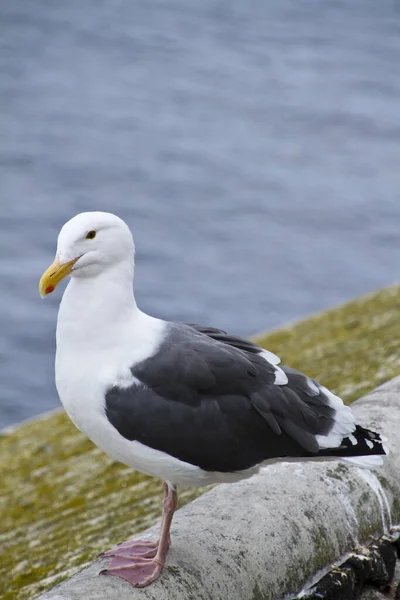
232 340
212 401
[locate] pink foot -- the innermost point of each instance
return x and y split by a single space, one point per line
139 572
133 548
140 562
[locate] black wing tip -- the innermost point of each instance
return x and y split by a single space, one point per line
362 442
368 443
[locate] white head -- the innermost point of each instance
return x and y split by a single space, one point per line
88 245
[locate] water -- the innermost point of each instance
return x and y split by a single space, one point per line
253 147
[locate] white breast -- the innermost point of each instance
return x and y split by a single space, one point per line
98 341
89 360
84 402
81 385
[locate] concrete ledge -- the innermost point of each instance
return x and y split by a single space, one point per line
263 538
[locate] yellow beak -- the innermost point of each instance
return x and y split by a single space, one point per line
54 274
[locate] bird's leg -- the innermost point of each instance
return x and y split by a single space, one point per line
169 506
137 547
140 562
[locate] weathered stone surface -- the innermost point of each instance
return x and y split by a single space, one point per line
265 537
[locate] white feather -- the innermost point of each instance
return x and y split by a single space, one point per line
280 376
314 389
270 357
273 359
344 422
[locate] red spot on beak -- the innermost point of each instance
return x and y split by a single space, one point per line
49 289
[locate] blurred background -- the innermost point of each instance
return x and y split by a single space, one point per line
253 148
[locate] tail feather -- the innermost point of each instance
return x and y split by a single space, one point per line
363 447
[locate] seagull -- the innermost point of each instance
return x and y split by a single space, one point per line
188 404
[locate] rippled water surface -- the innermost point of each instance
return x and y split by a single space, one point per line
253 147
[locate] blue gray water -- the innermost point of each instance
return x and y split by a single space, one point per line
253 147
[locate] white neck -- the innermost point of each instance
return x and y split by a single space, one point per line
101 332
95 310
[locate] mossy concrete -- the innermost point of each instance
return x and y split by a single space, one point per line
62 500
351 349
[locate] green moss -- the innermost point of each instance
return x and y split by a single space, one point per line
173 570
383 481
60 507
62 500
323 549
351 349
339 472
396 510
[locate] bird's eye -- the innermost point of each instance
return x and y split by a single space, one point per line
91 234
